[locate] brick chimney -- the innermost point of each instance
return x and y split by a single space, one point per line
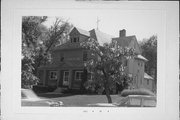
122 33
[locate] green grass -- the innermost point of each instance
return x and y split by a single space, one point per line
84 100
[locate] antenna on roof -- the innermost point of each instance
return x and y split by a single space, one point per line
97 22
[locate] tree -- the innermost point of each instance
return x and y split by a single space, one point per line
57 34
37 43
149 50
106 65
31 32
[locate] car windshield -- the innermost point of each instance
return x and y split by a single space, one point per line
28 94
142 101
23 96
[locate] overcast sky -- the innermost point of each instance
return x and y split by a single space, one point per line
142 23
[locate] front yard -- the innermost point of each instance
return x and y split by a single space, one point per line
83 100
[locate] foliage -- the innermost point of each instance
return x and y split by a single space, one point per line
149 51
37 42
31 31
127 92
106 65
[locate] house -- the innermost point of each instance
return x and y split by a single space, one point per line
133 67
67 69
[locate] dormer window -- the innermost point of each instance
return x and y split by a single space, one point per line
74 39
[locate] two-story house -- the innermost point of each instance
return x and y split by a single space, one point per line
67 68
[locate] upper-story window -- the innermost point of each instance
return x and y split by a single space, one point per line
147 82
62 57
74 39
139 63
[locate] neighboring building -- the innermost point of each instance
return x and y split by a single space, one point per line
134 67
149 82
67 68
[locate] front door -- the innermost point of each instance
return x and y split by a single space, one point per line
78 76
65 78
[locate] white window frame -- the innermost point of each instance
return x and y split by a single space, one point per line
76 75
54 77
64 78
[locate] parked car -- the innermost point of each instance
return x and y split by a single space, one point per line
130 101
29 98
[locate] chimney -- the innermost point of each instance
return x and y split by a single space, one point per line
122 33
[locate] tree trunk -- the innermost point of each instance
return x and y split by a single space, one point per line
107 90
106 86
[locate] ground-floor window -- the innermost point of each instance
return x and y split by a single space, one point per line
53 75
78 75
66 78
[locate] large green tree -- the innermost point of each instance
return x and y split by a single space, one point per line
106 65
37 43
149 50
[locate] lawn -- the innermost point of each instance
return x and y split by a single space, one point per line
83 100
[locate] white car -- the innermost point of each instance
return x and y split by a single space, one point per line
130 101
29 98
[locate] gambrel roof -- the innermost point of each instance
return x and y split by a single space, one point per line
82 32
100 36
96 34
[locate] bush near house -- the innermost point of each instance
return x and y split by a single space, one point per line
127 92
43 89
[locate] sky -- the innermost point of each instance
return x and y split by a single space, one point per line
142 23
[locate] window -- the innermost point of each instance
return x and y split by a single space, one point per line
74 40
66 78
78 75
53 75
84 55
62 57
77 39
138 63
147 82
71 40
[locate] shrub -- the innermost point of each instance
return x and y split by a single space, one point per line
43 89
127 92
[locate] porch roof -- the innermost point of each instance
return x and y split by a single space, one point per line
146 76
141 58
